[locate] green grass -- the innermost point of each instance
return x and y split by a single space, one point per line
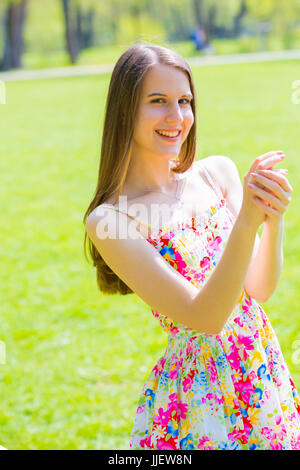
76 360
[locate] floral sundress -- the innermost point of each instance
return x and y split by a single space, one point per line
229 391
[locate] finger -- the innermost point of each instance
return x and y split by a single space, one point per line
269 210
267 177
268 198
269 162
276 155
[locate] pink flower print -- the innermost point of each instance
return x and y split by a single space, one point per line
174 331
256 334
281 433
205 263
248 302
190 348
267 432
146 442
187 384
278 420
220 401
295 443
162 418
163 445
234 360
173 409
181 264
246 344
204 444
182 410
267 393
173 397
239 321
179 363
276 446
252 375
173 374
214 245
236 434
172 405
246 389
158 368
212 370
247 429
140 409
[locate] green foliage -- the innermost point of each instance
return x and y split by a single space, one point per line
261 9
41 35
132 28
122 22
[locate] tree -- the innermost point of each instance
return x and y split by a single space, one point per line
14 18
282 15
212 14
79 26
71 29
237 20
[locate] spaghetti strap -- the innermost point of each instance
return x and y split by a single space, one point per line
215 187
110 206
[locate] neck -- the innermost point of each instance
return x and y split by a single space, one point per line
144 176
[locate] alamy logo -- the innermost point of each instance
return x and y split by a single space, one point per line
2 93
296 93
2 353
296 353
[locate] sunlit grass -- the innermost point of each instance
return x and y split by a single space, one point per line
76 360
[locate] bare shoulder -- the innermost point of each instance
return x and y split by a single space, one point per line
215 165
225 172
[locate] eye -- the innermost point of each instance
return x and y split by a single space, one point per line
187 101
183 99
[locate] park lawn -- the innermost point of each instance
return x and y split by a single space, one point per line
76 360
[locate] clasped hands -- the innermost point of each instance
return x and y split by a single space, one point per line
271 188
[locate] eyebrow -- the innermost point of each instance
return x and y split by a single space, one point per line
161 94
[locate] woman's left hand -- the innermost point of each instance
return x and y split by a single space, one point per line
273 192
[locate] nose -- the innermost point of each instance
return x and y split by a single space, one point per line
174 113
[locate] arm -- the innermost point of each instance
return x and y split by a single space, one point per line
263 277
267 259
230 183
156 282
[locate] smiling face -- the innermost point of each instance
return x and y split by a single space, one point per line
167 111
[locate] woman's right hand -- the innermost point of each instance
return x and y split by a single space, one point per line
251 212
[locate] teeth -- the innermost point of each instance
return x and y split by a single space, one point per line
169 134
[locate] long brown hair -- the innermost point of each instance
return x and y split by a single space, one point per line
120 112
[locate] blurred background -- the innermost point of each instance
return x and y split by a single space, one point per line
47 33
72 360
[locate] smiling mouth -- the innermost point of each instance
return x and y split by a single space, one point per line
169 135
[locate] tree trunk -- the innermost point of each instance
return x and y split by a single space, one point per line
200 17
71 31
211 21
85 27
238 18
14 18
88 29
198 11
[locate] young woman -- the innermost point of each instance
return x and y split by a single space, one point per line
182 234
